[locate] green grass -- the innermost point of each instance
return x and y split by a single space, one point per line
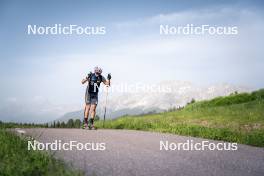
15 159
235 118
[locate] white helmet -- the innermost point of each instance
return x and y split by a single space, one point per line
98 70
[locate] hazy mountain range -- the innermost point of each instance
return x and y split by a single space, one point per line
167 95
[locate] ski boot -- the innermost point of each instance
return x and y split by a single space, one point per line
91 124
85 126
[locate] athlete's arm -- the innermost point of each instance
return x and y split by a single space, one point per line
107 82
87 78
84 80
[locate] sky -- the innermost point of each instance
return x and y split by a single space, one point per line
40 74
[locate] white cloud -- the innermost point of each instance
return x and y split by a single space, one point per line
214 15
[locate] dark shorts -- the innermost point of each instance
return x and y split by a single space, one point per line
91 98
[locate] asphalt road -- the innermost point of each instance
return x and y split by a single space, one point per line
130 153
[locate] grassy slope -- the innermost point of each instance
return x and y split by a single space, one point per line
15 159
236 118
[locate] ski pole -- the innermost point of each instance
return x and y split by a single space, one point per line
105 105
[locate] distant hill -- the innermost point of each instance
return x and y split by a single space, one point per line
236 118
115 114
234 98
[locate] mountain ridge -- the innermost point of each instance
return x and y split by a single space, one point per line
181 92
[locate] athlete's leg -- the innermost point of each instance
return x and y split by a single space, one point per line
93 112
86 112
87 107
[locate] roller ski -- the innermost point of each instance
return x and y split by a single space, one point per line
91 124
85 126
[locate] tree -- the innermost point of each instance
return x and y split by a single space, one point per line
77 123
96 118
58 125
63 125
70 123
191 102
